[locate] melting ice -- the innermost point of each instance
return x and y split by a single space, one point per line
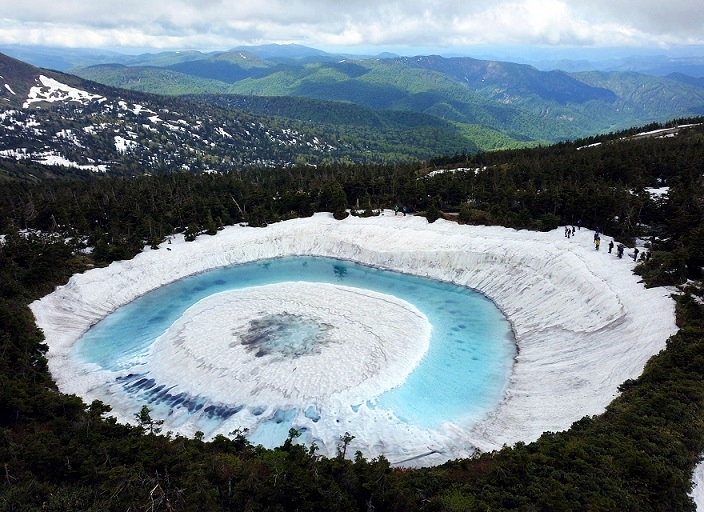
318 344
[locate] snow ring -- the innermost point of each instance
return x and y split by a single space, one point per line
371 340
581 320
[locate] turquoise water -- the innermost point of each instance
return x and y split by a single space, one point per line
463 374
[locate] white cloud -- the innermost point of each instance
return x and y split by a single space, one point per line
412 23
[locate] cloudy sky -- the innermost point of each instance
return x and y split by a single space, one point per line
403 26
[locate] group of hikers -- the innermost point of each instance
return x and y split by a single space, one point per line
396 210
620 248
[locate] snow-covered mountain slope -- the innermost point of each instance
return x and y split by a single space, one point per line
58 119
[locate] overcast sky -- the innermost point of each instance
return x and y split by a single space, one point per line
353 25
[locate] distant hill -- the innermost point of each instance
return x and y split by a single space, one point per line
282 51
505 80
649 62
153 79
71 123
658 65
365 110
59 59
518 101
64 59
640 97
225 67
686 79
514 99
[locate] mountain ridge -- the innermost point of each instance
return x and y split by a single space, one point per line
517 100
646 61
59 119
356 111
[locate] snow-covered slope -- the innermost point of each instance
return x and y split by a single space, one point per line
117 131
50 90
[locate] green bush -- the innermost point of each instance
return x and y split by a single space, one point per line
548 222
433 214
665 268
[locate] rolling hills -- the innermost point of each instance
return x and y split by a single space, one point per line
521 103
59 119
234 109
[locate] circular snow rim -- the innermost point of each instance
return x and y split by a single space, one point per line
582 322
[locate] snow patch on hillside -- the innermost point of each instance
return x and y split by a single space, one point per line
658 192
123 145
53 91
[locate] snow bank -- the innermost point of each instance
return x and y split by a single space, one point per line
53 91
582 322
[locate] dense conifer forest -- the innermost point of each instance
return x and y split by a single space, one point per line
58 453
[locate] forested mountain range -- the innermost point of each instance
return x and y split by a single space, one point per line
518 101
370 110
61 454
63 59
60 119
649 62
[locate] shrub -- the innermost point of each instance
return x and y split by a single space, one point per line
548 222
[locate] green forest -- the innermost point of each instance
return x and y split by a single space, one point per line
60 454
512 104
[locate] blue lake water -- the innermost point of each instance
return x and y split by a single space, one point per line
462 375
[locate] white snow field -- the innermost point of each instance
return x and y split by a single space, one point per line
368 353
582 321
